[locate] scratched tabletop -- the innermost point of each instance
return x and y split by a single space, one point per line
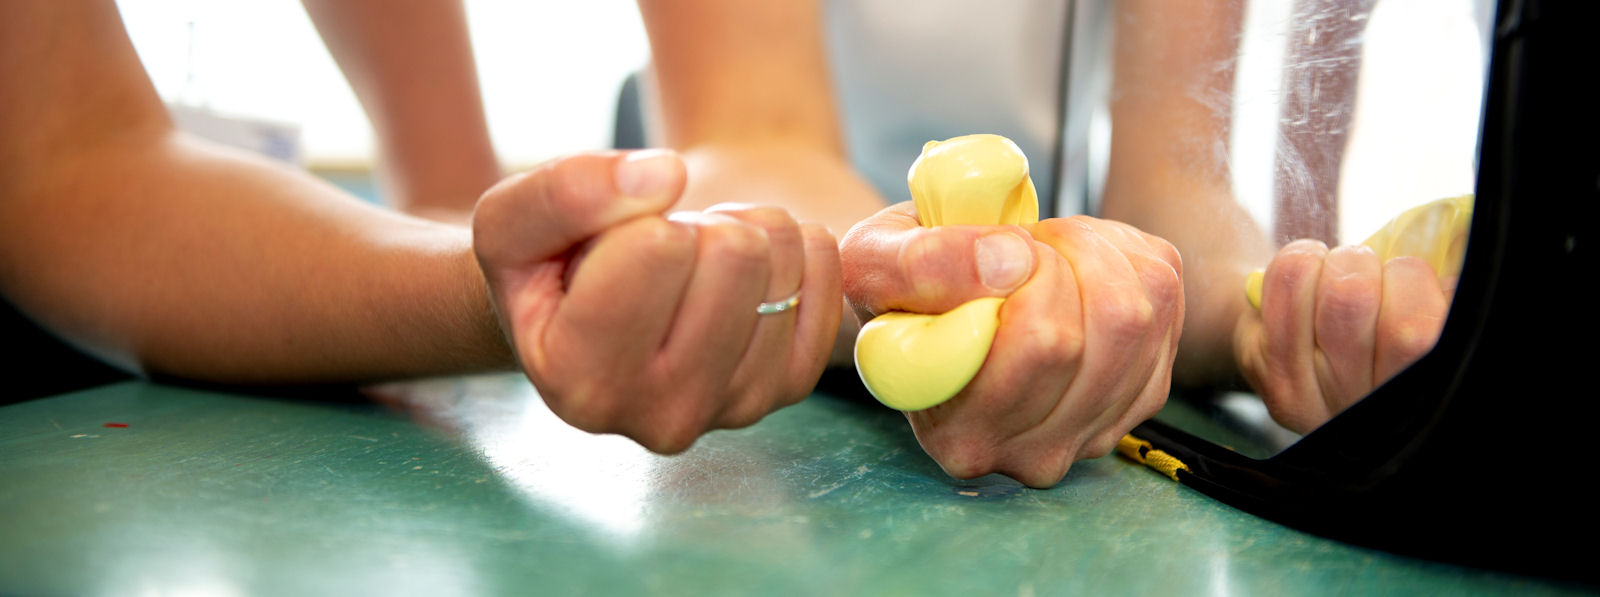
471 486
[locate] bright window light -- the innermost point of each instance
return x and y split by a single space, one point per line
549 71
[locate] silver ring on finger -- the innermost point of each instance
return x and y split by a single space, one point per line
780 305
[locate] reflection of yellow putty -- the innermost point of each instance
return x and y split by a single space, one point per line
1435 232
912 361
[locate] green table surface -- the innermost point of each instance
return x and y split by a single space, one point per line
471 486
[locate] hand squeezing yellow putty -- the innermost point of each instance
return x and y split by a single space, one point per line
913 361
1435 232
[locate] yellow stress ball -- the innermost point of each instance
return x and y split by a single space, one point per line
913 361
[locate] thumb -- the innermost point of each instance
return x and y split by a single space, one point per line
539 214
892 263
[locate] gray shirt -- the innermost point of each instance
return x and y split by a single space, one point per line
914 71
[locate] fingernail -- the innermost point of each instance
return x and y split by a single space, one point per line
1004 260
648 175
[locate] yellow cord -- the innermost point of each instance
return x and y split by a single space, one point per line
1142 452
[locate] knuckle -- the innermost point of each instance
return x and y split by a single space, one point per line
1348 299
667 238
1295 259
1296 414
1353 258
1305 247
1275 395
1048 227
672 433
1168 252
496 200
742 417
1056 228
1164 285
1121 234
1054 347
749 415
735 242
1413 337
797 385
961 457
1288 272
1042 470
585 409
770 217
860 241
1411 266
815 236
861 274
667 443
1079 222
820 231
1147 407
1100 445
926 253
731 207
797 397
748 411
1127 319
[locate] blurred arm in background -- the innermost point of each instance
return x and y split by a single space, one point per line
411 66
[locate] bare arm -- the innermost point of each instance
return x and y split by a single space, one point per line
1169 170
170 256
745 95
411 65
175 257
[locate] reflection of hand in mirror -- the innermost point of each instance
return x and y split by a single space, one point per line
1086 339
1335 324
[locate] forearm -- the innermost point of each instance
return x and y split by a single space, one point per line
411 65
731 71
177 258
814 186
745 95
1179 189
1169 172
1220 244
174 257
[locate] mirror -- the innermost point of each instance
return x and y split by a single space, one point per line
1320 119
